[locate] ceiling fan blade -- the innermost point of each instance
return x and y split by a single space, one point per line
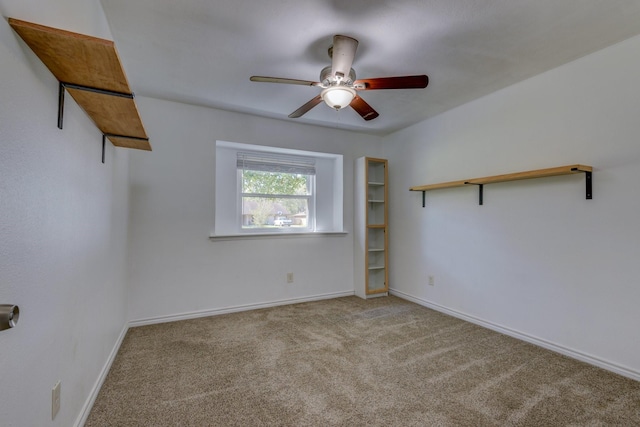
403 82
281 80
365 110
306 107
343 52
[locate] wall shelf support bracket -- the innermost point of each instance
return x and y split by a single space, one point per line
60 104
423 197
104 141
480 192
589 193
111 135
63 85
61 89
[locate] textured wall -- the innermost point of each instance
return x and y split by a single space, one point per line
175 268
63 231
537 258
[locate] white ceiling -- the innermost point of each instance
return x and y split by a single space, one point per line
204 51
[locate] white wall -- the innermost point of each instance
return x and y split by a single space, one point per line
63 225
176 270
537 259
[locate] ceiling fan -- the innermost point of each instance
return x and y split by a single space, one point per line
339 85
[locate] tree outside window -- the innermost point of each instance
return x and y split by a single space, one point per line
276 199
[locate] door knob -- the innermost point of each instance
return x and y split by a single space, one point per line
9 315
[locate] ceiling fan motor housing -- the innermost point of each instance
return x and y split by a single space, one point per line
328 80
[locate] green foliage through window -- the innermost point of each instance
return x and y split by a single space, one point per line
258 182
275 199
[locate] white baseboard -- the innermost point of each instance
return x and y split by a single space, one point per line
88 405
583 357
233 309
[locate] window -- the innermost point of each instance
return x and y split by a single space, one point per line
276 190
269 191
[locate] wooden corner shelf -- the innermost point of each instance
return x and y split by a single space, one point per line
90 70
371 227
538 173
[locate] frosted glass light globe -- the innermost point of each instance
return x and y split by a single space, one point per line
338 97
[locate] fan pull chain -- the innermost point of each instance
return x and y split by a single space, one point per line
339 116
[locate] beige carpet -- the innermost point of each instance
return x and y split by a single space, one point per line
350 362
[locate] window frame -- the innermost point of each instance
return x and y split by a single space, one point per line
328 197
311 214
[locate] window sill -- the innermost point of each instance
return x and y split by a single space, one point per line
249 236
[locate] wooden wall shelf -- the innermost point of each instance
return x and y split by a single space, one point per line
90 70
538 173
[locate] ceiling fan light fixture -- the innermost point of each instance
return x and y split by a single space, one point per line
338 97
339 83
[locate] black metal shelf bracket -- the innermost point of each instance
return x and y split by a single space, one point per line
587 179
107 135
423 197
480 192
104 143
63 85
60 104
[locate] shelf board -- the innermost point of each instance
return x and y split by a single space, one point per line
376 184
94 63
375 201
113 115
516 176
538 173
377 267
376 250
449 184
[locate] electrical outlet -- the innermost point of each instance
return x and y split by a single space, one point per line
432 281
289 277
55 400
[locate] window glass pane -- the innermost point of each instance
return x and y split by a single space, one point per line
275 212
273 182
259 182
